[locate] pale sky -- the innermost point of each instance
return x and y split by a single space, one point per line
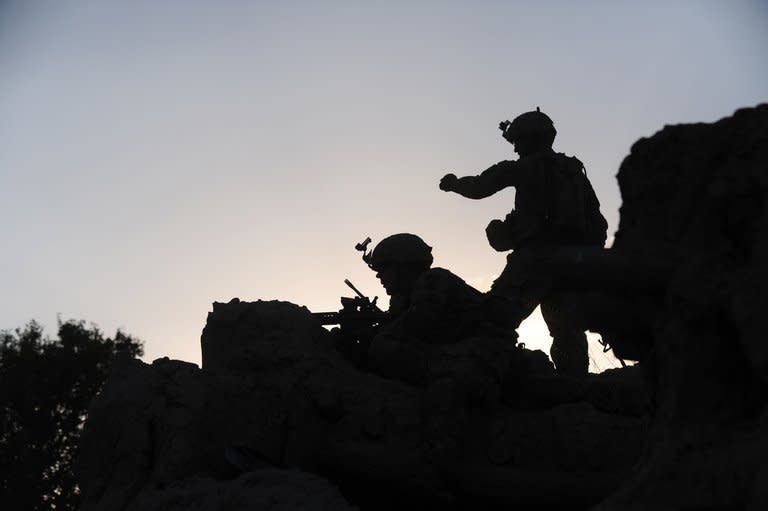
158 156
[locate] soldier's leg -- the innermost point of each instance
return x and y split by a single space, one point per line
569 342
503 314
516 293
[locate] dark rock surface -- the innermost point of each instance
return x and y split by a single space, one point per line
697 195
161 431
684 430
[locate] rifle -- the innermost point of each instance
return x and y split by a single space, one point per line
355 312
358 320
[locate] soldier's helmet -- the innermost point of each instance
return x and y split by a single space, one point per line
403 248
534 124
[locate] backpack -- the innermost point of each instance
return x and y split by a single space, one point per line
573 213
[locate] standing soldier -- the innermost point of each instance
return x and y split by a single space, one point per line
555 208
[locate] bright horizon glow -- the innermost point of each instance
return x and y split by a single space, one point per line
158 156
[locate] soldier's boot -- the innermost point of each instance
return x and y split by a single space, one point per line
570 354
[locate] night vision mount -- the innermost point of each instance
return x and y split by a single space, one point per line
363 247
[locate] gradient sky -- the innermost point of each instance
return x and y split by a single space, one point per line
158 156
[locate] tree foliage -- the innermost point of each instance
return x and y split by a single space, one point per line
46 386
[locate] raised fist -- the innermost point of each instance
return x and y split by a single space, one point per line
448 182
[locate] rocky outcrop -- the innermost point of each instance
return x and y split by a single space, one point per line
157 426
697 196
161 427
161 432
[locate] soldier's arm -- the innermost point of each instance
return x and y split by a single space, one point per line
490 181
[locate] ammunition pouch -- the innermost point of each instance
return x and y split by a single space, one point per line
503 234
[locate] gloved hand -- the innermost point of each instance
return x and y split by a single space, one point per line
448 182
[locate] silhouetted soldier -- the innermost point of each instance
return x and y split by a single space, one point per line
555 207
429 307
436 340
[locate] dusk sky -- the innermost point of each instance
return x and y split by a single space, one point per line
156 156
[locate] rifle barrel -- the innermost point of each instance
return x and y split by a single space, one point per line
352 286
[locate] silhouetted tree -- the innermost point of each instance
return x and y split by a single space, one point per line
46 386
